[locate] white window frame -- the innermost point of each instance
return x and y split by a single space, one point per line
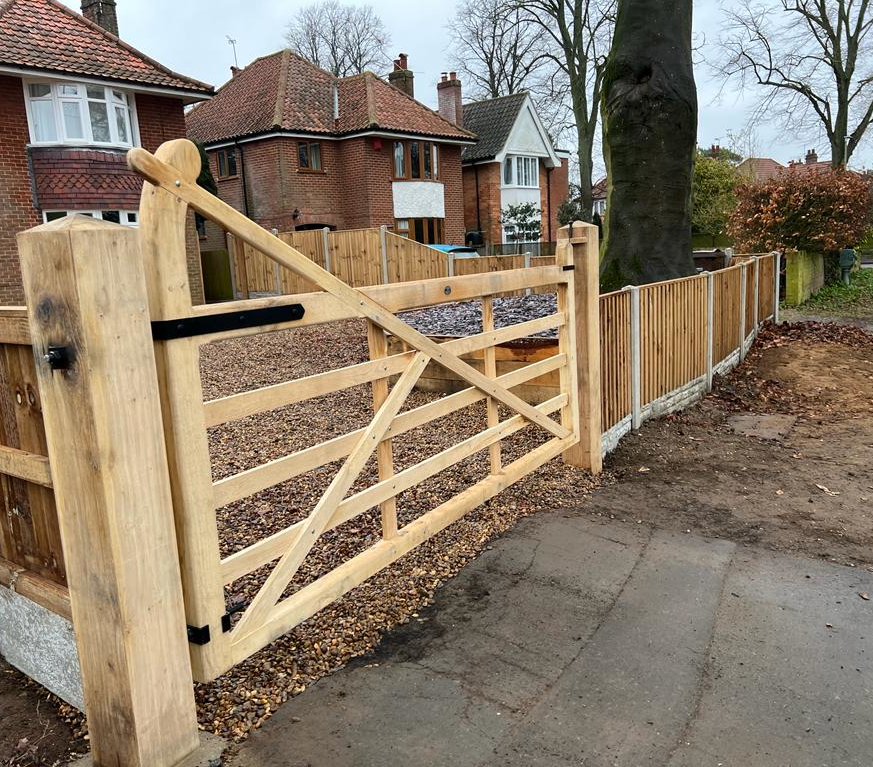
524 169
124 215
57 99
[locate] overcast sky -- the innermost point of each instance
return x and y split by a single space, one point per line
190 36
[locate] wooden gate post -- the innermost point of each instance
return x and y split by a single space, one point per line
579 338
89 320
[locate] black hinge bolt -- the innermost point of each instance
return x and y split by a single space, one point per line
58 357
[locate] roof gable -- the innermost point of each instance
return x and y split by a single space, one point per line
284 92
492 121
528 136
46 36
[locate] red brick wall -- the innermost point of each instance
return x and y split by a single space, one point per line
488 217
553 192
67 178
352 191
16 204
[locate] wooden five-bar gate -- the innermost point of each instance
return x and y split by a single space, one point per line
118 343
104 417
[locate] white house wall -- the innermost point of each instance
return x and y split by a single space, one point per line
418 199
516 195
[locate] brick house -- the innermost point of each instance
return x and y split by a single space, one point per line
73 99
295 148
513 162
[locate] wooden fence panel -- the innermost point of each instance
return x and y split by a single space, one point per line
485 264
766 287
409 260
311 245
673 337
356 257
615 357
29 533
726 312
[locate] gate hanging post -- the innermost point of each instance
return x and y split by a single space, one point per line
578 248
89 319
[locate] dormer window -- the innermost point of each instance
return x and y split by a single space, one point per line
521 171
80 113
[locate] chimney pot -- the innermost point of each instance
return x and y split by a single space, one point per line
453 75
234 71
811 157
102 13
401 76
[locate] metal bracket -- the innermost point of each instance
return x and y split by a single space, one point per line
198 635
568 268
185 327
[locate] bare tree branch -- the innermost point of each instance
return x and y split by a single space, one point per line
815 59
343 39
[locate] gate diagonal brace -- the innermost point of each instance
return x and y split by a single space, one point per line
167 178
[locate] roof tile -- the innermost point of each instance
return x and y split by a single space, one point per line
283 91
47 36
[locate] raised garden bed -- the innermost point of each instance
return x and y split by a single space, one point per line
448 321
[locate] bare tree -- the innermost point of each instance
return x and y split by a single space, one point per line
496 53
343 39
815 57
577 35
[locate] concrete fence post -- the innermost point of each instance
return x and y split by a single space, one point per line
325 242
90 323
277 269
757 286
527 262
777 261
710 327
383 245
743 290
636 385
450 264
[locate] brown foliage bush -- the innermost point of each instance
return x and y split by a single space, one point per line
820 211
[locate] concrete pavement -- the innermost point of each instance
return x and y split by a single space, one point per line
572 642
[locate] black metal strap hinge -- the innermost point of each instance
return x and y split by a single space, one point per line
568 268
184 327
200 635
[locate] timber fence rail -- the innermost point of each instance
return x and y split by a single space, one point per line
362 258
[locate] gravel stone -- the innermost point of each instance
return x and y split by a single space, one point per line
465 318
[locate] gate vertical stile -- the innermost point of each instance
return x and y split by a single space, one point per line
162 233
378 345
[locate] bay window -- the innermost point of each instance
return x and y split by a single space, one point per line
416 160
125 217
521 171
79 113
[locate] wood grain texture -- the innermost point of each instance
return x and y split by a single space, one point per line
106 444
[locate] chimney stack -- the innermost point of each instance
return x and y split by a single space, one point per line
401 77
449 95
811 157
102 13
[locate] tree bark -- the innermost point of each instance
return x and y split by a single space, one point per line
649 112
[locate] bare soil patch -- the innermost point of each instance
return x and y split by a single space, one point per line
809 492
36 730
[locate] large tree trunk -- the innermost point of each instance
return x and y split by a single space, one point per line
649 114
